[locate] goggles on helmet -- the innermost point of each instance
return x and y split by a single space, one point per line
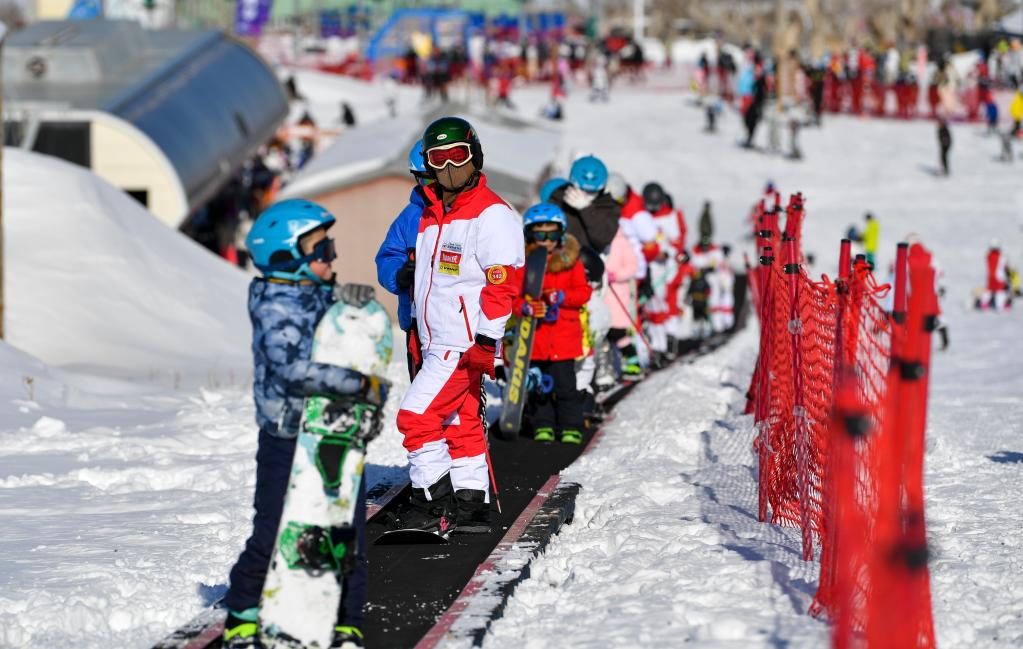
544 235
457 154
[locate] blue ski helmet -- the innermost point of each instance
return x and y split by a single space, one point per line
273 239
544 213
548 188
416 163
588 174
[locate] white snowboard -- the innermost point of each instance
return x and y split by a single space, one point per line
299 604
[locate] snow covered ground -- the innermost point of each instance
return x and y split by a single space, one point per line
123 505
665 548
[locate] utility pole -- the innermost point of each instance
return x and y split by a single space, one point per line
3 32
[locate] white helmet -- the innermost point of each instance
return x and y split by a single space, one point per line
617 187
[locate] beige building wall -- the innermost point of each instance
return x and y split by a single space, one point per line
364 212
52 9
128 159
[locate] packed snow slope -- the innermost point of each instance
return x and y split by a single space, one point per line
94 282
665 548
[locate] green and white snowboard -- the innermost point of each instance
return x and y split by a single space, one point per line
316 539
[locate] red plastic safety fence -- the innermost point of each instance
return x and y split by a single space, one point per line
839 397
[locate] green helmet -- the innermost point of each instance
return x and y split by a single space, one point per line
448 130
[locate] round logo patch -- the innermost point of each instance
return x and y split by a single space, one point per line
497 275
442 136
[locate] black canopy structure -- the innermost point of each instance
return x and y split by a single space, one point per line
165 115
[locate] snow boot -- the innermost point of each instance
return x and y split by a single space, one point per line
472 512
571 436
347 637
543 435
241 630
433 514
632 371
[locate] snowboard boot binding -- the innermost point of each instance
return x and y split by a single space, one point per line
241 630
428 509
347 637
472 512
572 436
544 434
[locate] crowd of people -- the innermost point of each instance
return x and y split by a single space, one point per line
620 278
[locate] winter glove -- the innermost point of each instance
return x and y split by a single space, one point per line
355 294
577 198
480 357
406 275
534 308
374 390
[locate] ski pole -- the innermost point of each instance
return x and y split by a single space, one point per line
486 442
639 331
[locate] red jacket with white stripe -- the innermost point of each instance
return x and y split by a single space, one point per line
466 258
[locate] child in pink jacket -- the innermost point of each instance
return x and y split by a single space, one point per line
621 266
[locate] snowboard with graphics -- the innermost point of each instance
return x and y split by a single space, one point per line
517 360
316 541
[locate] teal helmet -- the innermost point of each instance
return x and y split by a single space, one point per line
273 239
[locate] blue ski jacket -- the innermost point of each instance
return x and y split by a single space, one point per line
393 253
284 316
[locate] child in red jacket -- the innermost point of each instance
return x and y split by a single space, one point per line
558 340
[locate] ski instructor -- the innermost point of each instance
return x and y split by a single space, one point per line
469 245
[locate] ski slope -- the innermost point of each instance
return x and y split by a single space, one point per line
124 504
665 548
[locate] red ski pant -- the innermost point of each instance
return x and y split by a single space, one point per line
441 421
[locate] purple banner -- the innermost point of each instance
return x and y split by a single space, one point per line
250 16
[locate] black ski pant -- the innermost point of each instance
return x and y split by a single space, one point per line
562 408
273 469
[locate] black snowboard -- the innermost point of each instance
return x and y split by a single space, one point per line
411 537
517 361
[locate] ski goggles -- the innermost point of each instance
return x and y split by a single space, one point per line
545 235
457 154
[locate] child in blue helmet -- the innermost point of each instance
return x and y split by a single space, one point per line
590 211
396 263
558 340
290 247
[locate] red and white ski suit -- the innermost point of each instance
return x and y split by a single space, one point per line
467 256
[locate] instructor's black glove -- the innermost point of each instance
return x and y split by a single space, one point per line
406 275
356 294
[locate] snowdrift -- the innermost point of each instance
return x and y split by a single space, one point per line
94 282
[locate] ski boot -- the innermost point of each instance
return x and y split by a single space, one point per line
632 371
430 515
544 434
571 436
472 512
241 630
347 637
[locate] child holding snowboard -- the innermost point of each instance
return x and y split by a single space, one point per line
559 337
290 247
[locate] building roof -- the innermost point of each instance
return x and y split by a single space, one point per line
516 153
205 99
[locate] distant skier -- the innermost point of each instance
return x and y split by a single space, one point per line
290 247
468 249
559 336
997 294
871 238
396 259
944 144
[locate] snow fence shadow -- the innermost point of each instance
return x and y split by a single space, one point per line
727 475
